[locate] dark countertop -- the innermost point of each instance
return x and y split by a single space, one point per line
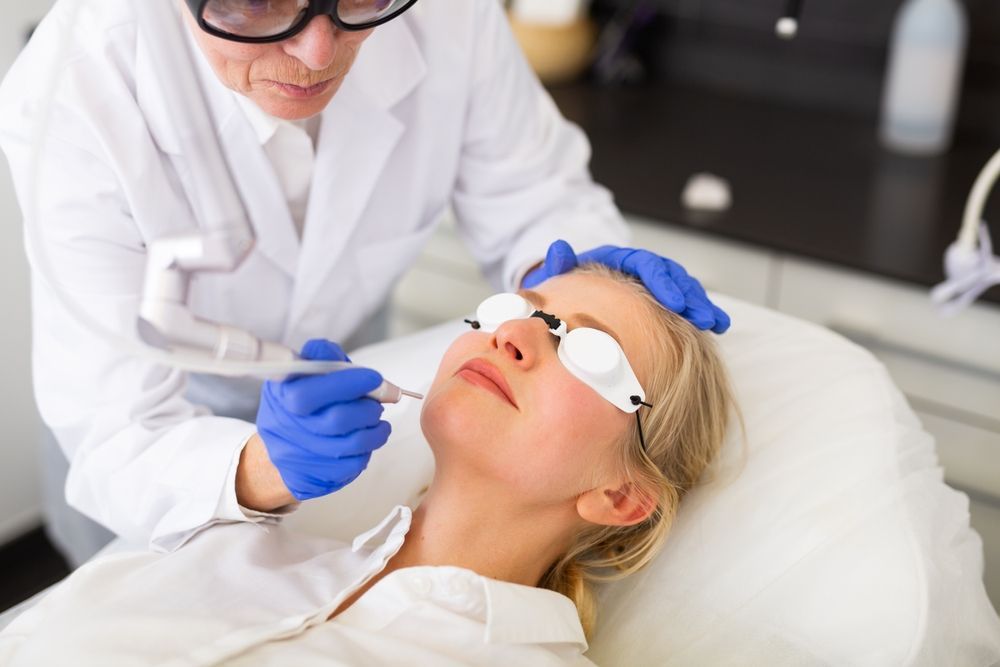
805 181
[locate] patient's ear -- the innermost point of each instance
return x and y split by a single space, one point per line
624 504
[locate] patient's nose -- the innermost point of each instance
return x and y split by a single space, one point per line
521 340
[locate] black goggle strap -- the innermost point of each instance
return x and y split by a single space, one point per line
638 401
551 321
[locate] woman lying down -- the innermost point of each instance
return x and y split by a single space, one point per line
566 427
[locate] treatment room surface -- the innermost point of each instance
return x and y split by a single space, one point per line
805 181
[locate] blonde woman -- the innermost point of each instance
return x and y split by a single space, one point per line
551 473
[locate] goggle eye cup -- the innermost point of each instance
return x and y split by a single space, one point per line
593 353
501 308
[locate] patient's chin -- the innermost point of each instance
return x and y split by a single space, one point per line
456 414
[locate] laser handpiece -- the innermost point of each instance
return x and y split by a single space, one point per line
386 392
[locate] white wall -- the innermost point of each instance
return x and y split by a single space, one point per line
20 498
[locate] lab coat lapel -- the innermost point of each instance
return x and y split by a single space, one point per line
357 136
265 203
275 233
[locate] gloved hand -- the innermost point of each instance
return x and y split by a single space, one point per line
665 279
320 430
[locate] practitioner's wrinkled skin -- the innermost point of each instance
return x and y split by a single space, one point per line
292 79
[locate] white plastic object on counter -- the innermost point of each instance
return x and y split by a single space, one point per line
923 77
787 26
707 192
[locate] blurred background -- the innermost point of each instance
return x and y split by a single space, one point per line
761 162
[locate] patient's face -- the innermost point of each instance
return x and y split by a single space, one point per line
553 437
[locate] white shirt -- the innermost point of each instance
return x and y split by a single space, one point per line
291 148
242 595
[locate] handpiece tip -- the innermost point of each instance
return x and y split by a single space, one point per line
411 394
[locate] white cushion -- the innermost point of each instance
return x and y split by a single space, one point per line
830 538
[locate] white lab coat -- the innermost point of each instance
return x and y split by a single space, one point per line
439 109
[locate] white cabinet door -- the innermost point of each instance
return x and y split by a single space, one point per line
895 314
986 521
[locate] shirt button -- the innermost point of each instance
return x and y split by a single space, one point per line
421 585
458 587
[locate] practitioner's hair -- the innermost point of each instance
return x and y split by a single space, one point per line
692 402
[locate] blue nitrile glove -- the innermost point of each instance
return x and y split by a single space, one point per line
320 430
665 279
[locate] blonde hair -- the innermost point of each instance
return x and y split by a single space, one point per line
691 396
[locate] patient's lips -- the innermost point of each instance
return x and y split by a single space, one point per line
484 374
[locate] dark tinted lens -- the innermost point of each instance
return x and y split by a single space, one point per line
253 18
360 12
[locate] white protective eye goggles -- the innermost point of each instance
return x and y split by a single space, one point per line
591 355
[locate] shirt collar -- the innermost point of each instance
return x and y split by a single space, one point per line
392 528
514 614
264 124
519 614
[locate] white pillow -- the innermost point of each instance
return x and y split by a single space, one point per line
829 539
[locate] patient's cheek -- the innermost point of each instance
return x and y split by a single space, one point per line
584 421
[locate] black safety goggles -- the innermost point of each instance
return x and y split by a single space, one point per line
262 21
